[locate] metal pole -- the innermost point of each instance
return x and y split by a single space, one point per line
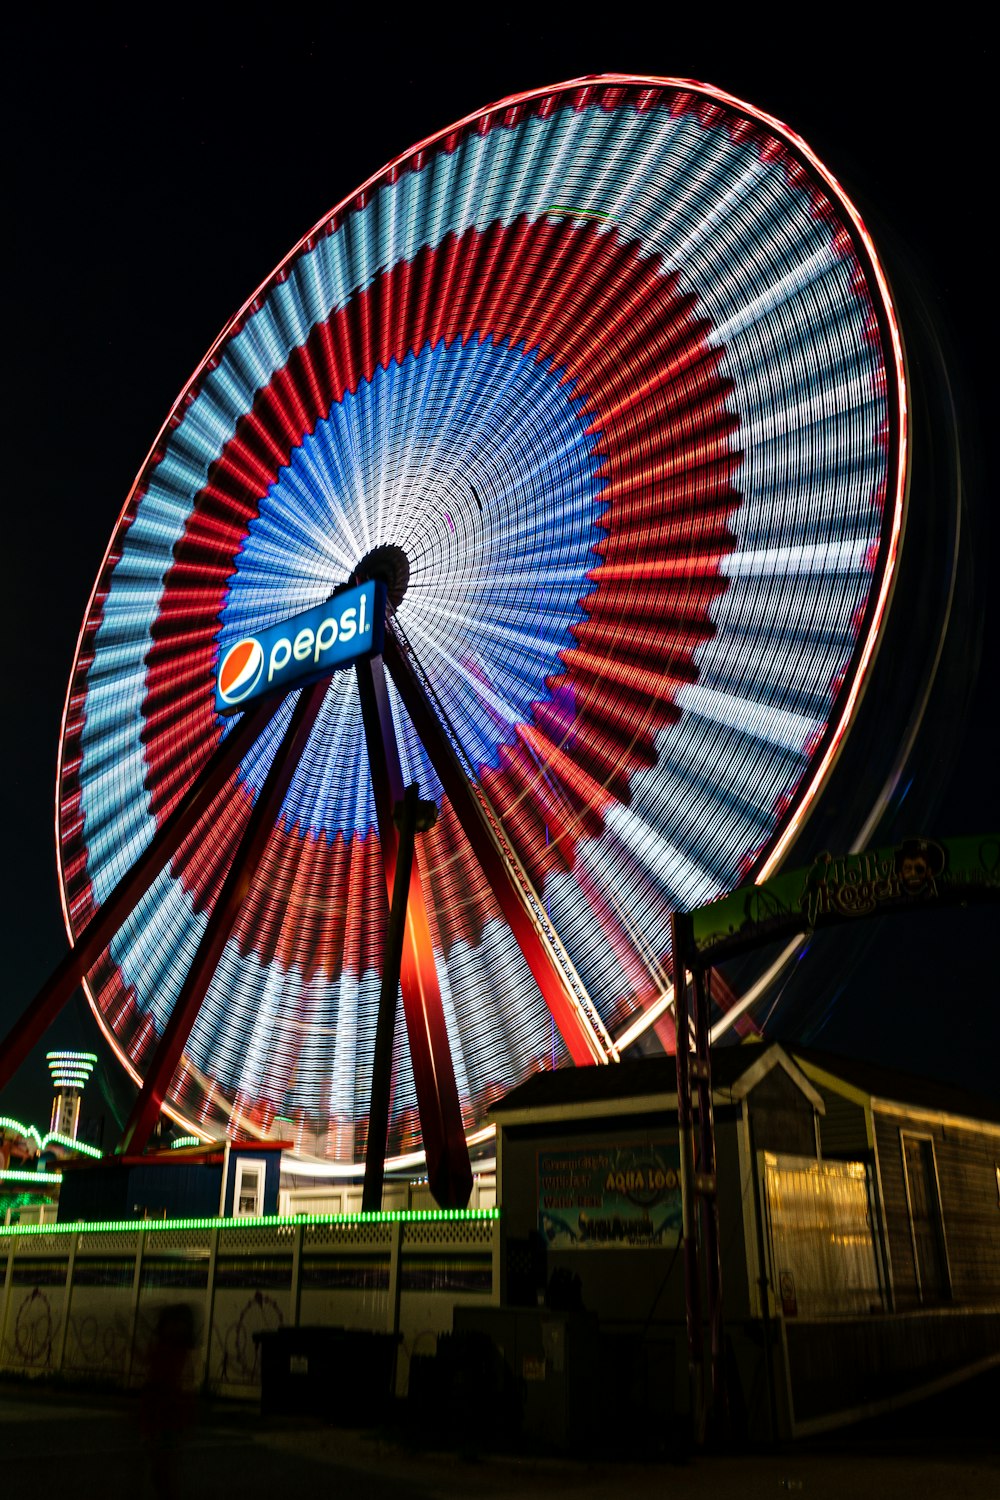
146 1110
707 1184
449 1170
685 1132
38 1016
763 1281
385 1031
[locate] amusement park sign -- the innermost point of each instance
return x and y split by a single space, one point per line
301 650
610 1195
914 873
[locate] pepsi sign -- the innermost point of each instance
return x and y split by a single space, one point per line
345 629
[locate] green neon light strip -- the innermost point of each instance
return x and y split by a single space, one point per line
12 1174
28 1131
186 1140
70 1069
7 1122
70 1144
275 1221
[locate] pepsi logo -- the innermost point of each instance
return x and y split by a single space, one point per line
240 669
315 644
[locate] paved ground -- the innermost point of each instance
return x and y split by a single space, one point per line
84 1445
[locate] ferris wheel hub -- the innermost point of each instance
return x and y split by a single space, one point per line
391 566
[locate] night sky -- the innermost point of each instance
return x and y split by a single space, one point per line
160 177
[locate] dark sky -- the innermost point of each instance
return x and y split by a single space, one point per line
161 173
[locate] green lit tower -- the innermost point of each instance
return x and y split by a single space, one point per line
70 1071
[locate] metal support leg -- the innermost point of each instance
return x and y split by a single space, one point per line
707 1183
692 1286
449 1171
385 1030
583 1041
35 1020
146 1109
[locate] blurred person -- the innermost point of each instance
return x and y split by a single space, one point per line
166 1407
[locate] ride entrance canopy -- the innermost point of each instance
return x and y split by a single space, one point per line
604 385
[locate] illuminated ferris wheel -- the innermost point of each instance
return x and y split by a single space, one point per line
603 386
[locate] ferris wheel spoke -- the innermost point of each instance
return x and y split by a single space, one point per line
555 975
146 1109
106 921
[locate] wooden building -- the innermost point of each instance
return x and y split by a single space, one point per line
935 1153
859 1226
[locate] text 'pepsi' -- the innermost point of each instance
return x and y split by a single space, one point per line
300 650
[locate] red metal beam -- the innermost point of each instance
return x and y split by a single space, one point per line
38 1016
146 1109
449 1171
582 1039
385 1028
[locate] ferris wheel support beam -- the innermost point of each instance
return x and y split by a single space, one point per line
449 1171
35 1020
584 1043
408 819
266 809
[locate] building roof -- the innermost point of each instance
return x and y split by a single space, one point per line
892 1085
210 1154
646 1078
654 1079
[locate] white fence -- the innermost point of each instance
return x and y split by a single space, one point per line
345 1198
85 1302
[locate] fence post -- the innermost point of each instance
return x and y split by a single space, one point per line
296 1292
67 1300
213 1255
395 1278
134 1312
496 1245
8 1281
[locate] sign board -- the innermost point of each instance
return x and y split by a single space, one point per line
344 630
601 1197
914 873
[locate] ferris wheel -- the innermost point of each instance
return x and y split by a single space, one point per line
604 386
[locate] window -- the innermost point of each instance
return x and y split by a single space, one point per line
930 1255
249 1195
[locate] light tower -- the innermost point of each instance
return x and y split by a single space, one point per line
70 1071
